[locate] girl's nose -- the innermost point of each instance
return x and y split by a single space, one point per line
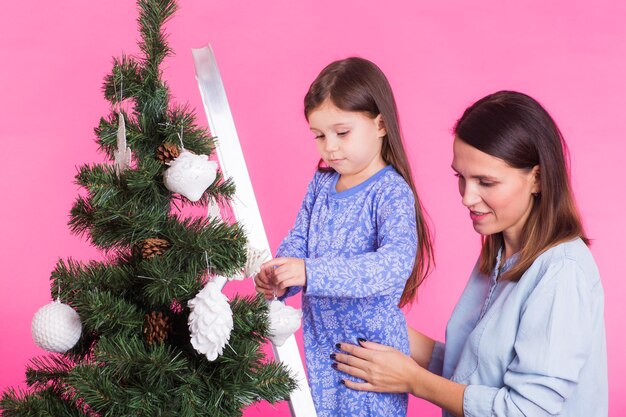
332 144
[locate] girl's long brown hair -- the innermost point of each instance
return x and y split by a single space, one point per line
515 128
358 85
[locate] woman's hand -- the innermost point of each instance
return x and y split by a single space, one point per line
263 282
383 368
287 272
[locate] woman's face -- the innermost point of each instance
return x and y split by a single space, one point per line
499 197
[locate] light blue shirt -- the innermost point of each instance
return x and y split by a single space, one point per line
535 347
359 247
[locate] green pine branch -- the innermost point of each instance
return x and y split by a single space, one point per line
199 238
125 80
153 14
104 313
160 366
44 403
46 371
166 278
71 277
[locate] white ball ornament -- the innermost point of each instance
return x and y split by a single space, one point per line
56 327
190 175
284 321
211 319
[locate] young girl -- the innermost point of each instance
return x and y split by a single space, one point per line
360 246
527 336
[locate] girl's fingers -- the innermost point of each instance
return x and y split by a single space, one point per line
267 293
260 282
290 282
274 262
280 277
264 288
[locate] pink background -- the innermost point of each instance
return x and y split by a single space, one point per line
439 57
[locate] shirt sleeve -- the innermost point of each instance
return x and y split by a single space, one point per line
374 273
295 244
552 346
436 359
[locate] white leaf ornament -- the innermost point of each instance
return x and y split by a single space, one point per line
284 321
190 175
122 154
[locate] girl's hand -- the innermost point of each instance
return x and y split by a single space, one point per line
263 282
287 272
383 368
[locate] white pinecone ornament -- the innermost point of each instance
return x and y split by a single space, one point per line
56 327
254 259
190 175
284 321
211 319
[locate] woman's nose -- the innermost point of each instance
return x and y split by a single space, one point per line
469 196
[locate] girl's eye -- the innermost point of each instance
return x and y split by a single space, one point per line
318 137
485 183
456 174
343 133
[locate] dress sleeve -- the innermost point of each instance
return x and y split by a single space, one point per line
552 346
374 273
295 244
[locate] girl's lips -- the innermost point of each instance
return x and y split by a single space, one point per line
477 216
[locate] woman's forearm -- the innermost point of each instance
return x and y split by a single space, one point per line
431 387
421 347
440 391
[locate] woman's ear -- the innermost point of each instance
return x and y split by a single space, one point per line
536 178
380 125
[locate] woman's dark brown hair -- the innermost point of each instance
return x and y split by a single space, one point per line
358 85
516 129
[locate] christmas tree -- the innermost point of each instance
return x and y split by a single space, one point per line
135 356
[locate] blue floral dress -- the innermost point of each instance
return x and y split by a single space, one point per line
359 247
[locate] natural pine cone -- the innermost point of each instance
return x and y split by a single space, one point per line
167 152
156 327
153 246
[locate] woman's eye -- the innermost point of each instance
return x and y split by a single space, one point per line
319 137
456 174
486 184
343 133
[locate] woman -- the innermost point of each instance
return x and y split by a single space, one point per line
527 336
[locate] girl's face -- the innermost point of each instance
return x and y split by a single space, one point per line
498 196
349 142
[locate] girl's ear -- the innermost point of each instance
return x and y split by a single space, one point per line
380 125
